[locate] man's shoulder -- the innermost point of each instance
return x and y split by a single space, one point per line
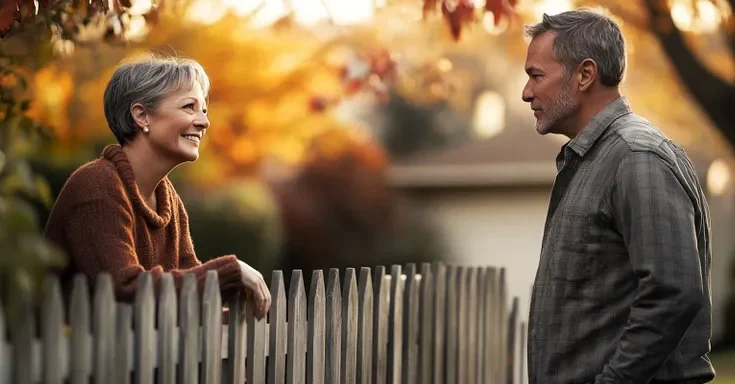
638 133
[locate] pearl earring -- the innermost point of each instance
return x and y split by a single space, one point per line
146 130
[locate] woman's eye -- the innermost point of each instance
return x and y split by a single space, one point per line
189 106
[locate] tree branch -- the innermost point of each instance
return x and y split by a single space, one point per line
713 94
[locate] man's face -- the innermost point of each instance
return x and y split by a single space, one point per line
548 90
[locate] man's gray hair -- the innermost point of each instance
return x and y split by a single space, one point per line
147 81
586 33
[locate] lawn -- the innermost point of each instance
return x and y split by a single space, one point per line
724 363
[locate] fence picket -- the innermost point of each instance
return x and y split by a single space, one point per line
334 328
277 324
365 327
296 348
439 272
491 336
410 325
103 320
167 330
380 325
189 321
316 353
426 322
349 327
211 329
52 319
502 326
480 326
234 366
80 343
470 325
452 313
124 343
395 325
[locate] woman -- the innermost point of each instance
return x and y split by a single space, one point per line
120 214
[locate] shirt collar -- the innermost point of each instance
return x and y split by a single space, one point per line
582 143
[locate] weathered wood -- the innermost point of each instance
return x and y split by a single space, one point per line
334 328
296 349
426 324
480 326
211 330
381 308
470 325
461 329
103 320
512 332
410 326
189 320
503 326
256 341
277 324
22 326
52 319
451 333
124 347
79 320
365 327
349 327
491 316
522 354
317 314
167 330
439 272
395 326
234 366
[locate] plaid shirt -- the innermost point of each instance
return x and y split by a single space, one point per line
622 291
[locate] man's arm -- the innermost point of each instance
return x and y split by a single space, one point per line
657 220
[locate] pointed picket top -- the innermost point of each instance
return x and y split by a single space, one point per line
365 327
189 318
277 323
381 300
410 325
80 321
103 325
334 328
317 328
52 320
426 323
395 327
349 327
296 350
167 330
211 330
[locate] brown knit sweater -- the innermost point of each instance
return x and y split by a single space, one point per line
103 224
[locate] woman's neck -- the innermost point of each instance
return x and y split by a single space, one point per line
148 167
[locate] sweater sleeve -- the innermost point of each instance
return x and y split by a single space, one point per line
99 236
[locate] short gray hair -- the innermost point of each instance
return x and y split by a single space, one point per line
586 33
147 81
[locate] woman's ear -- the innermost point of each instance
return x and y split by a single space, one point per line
140 115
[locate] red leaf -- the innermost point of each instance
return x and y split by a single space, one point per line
8 15
462 14
500 8
430 7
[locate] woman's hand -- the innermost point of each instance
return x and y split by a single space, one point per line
260 296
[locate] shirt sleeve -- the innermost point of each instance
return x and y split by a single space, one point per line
656 217
99 239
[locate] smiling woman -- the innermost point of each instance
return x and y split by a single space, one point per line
120 214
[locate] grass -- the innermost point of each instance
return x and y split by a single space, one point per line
724 363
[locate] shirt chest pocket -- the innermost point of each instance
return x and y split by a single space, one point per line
573 256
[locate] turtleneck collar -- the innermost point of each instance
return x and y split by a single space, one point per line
119 159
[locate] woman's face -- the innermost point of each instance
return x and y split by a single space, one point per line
179 124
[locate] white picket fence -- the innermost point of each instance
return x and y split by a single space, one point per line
446 324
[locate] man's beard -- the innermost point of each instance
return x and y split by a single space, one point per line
563 106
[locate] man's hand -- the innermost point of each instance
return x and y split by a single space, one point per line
259 295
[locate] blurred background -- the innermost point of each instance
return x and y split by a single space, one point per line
351 133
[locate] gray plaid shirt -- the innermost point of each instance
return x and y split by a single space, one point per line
622 291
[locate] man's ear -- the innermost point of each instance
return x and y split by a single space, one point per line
586 74
140 115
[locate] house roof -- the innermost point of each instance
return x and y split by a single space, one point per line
516 157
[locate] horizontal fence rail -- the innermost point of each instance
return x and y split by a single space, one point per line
434 324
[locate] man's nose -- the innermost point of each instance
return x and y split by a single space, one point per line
527 95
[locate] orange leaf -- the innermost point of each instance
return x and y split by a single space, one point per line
500 8
430 7
463 13
8 15
27 9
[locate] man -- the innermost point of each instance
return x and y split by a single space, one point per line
622 291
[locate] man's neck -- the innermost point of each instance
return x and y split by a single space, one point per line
148 167
593 105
